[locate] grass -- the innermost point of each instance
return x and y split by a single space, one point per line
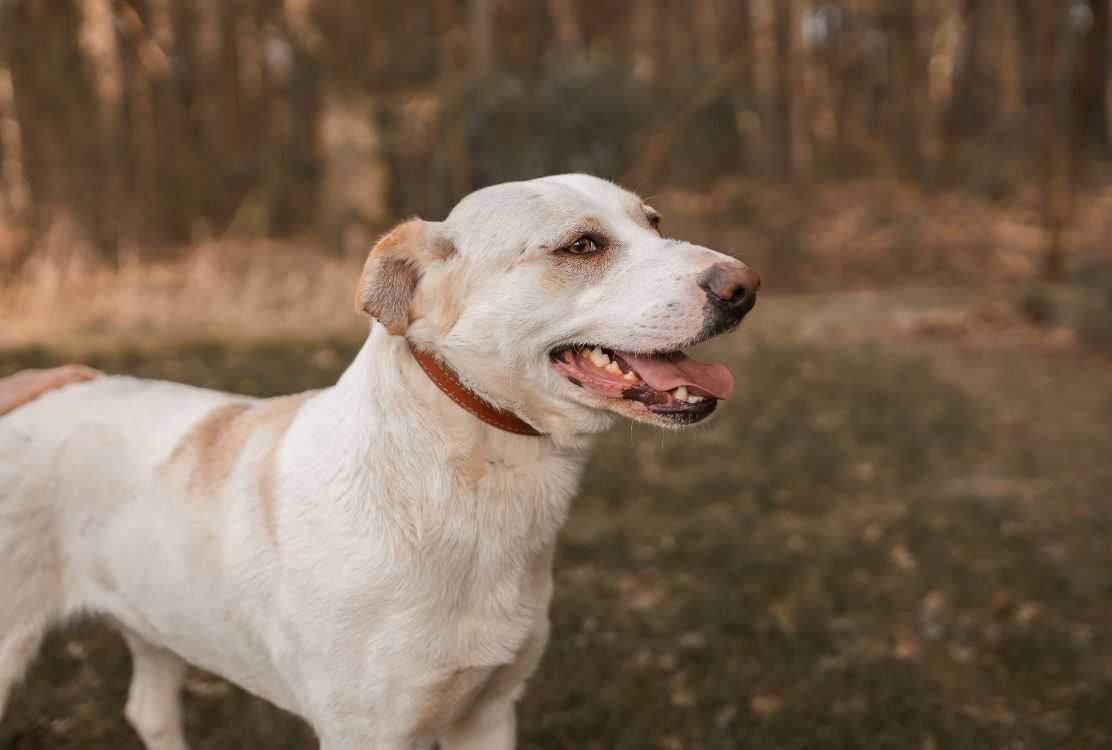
890 538
226 291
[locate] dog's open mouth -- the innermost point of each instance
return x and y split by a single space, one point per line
669 383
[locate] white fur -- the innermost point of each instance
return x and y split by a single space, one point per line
408 559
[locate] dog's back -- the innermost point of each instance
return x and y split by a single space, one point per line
88 427
75 448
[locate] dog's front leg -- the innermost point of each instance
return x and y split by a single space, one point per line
492 727
492 724
154 701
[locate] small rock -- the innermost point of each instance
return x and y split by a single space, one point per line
764 705
903 558
645 599
692 641
905 647
785 623
1027 612
962 654
683 697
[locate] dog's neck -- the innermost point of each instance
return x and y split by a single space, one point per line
388 436
449 383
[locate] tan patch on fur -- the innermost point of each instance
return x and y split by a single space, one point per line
28 385
576 270
567 268
213 447
393 268
386 291
284 411
588 225
537 408
473 468
440 248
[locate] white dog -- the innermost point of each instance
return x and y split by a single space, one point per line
376 556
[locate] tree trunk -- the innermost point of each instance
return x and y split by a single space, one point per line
566 22
784 135
906 92
1090 90
230 82
973 99
1053 133
481 25
645 40
15 198
748 119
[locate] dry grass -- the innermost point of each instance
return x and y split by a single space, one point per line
866 234
251 289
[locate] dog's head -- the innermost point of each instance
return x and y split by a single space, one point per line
560 300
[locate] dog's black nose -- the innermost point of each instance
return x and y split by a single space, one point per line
731 287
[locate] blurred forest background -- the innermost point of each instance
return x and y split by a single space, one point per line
894 536
144 126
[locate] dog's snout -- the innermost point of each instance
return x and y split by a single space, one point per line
730 285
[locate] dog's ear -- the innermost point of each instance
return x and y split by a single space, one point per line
393 270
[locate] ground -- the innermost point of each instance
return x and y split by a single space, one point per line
895 535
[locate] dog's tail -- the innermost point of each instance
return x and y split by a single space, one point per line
27 385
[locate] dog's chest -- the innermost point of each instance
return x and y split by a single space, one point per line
436 590
495 653
424 653
477 609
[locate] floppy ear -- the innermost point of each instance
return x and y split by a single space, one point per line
393 270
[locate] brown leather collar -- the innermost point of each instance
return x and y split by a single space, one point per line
449 382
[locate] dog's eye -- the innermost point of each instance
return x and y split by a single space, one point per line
585 245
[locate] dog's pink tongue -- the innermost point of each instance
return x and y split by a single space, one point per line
667 371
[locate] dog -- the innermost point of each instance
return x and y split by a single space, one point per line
376 556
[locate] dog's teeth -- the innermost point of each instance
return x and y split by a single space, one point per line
631 376
613 369
680 393
694 399
598 357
